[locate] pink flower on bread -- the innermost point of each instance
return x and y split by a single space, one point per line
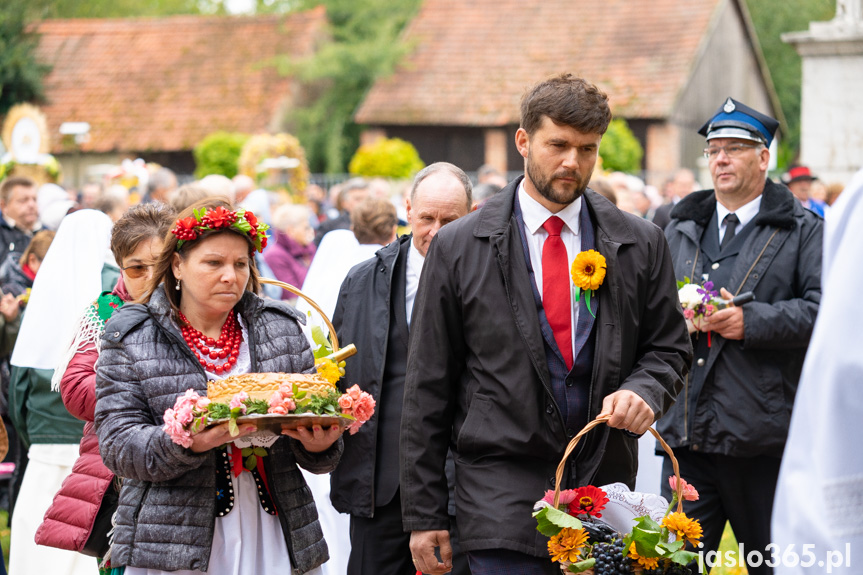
364 407
175 429
237 401
359 405
345 402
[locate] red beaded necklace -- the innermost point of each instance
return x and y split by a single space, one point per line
227 347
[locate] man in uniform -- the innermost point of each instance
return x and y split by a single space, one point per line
728 428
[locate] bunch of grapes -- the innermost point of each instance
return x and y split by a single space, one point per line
610 559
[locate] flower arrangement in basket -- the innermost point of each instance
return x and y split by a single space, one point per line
582 542
697 300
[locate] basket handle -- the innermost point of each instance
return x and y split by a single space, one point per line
296 291
558 476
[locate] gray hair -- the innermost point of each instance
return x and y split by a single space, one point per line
444 167
289 215
164 178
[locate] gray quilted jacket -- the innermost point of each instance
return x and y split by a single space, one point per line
166 514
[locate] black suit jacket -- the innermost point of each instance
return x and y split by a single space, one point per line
478 378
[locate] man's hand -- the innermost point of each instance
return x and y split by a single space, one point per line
726 322
627 411
9 307
423 544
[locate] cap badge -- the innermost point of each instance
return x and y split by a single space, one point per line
728 107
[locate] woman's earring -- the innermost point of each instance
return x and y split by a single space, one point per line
177 285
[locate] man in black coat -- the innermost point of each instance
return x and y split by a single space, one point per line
747 234
20 215
507 363
374 311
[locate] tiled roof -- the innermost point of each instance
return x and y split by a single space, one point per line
163 84
472 60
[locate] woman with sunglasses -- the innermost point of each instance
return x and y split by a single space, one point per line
199 508
80 514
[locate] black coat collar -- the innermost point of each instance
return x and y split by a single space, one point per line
778 207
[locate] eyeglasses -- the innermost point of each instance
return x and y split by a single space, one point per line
731 150
137 271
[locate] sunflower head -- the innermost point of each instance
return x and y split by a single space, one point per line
588 270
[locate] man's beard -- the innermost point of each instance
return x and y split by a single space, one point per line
545 188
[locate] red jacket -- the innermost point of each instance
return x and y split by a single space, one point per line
69 520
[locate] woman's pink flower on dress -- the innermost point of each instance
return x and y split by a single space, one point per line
237 401
689 492
345 402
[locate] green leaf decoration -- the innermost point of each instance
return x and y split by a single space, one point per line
250 462
260 451
587 294
683 557
647 535
582 566
232 427
219 411
180 243
256 406
246 451
199 213
242 225
673 546
577 294
324 347
550 521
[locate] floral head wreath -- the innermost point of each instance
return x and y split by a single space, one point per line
244 221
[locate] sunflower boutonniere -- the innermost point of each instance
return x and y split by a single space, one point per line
588 272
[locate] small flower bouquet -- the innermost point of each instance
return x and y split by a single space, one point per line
192 413
582 542
697 300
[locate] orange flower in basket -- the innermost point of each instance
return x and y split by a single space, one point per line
646 562
588 500
567 545
683 527
588 270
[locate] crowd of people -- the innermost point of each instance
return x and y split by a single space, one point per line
483 359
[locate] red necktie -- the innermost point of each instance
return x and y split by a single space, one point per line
556 288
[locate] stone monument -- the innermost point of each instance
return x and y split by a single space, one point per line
831 122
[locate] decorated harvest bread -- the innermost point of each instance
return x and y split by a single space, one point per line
262 385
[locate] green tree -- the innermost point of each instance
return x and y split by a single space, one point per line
388 158
114 8
620 150
219 153
771 19
365 44
20 73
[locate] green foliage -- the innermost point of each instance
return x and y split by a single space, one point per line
388 158
117 8
20 73
620 150
365 44
549 521
771 19
219 153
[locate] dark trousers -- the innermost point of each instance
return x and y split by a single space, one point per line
735 489
506 562
379 545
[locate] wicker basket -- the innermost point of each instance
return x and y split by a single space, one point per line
338 354
558 477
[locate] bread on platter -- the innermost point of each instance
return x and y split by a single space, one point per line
262 385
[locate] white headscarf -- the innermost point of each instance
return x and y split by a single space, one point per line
69 279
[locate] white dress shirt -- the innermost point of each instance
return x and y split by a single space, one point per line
412 278
535 214
744 213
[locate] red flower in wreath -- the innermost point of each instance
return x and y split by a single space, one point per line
220 218
263 242
253 221
588 500
185 228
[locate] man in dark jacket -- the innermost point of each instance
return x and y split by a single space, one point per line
374 311
20 214
747 234
507 363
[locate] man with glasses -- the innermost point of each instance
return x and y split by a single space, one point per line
729 425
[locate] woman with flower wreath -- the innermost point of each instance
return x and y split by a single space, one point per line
193 509
80 515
